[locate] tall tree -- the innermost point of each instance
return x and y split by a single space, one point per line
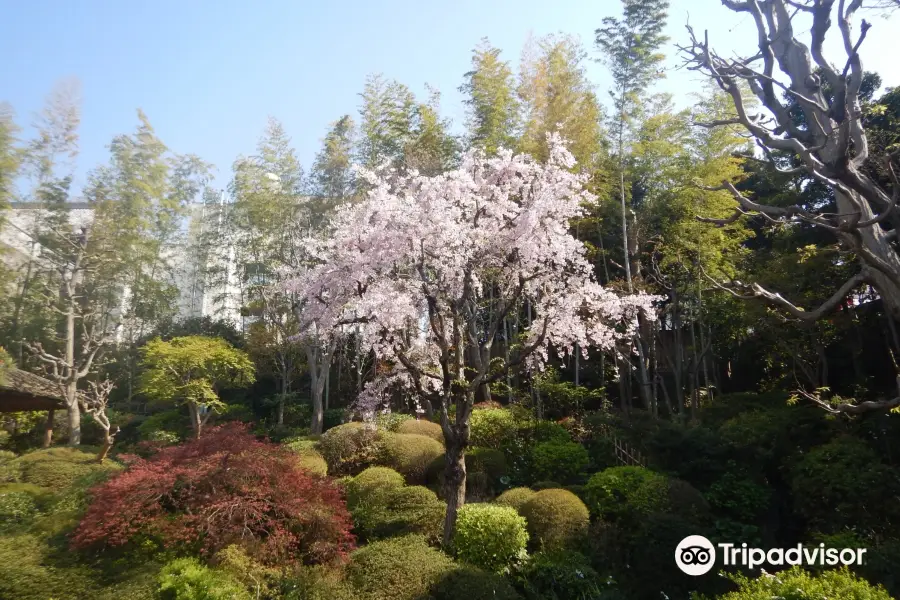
492 119
387 116
556 96
331 177
630 48
416 261
830 146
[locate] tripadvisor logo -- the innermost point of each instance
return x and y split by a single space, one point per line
696 555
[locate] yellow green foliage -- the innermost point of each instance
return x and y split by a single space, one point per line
556 518
409 454
432 430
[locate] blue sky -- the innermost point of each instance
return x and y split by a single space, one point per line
209 73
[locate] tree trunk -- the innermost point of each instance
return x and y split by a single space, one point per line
48 429
107 446
454 485
74 422
196 421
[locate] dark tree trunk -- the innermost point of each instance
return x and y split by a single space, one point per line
454 485
48 429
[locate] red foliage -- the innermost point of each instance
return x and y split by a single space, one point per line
224 488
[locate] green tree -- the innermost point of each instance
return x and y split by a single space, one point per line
191 371
490 97
332 178
557 96
387 117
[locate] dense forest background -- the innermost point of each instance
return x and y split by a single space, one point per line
755 406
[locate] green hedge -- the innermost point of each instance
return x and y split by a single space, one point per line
515 497
409 454
797 584
402 568
469 583
350 448
188 579
422 427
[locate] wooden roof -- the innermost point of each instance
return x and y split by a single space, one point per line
22 390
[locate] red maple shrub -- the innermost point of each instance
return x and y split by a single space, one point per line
224 488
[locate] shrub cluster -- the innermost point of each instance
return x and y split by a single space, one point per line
559 574
188 579
563 461
515 497
797 584
490 536
401 568
422 427
382 506
224 488
469 583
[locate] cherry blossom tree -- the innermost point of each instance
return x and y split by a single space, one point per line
430 267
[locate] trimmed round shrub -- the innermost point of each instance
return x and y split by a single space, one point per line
350 448
402 568
630 494
490 536
422 427
542 432
187 579
515 497
563 461
316 583
371 483
225 488
400 511
556 519
409 454
797 584
559 574
59 468
489 461
310 460
470 583
492 427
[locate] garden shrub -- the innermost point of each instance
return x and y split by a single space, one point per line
556 519
629 494
310 460
332 418
19 503
392 421
797 584
409 454
372 482
316 583
236 563
564 461
422 427
469 583
541 431
275 510
400 511
401 568
489 461
559 574
188 579
58 468
174 421
545 485
515 497
28 572
490 536
844 484
350 448
492 427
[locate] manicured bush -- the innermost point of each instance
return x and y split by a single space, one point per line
422 427
559 574
409 454
316 583
58 468
515 497
489 461
492 427
400 511
542 432
371 485
350 448
490 536
844 485
19 503
469 583
187 579
556 519
629 494
563 461
402 568
224 488
797 584
310 460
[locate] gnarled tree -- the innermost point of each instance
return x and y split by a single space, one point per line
827 144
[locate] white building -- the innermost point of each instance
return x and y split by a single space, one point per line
207 282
